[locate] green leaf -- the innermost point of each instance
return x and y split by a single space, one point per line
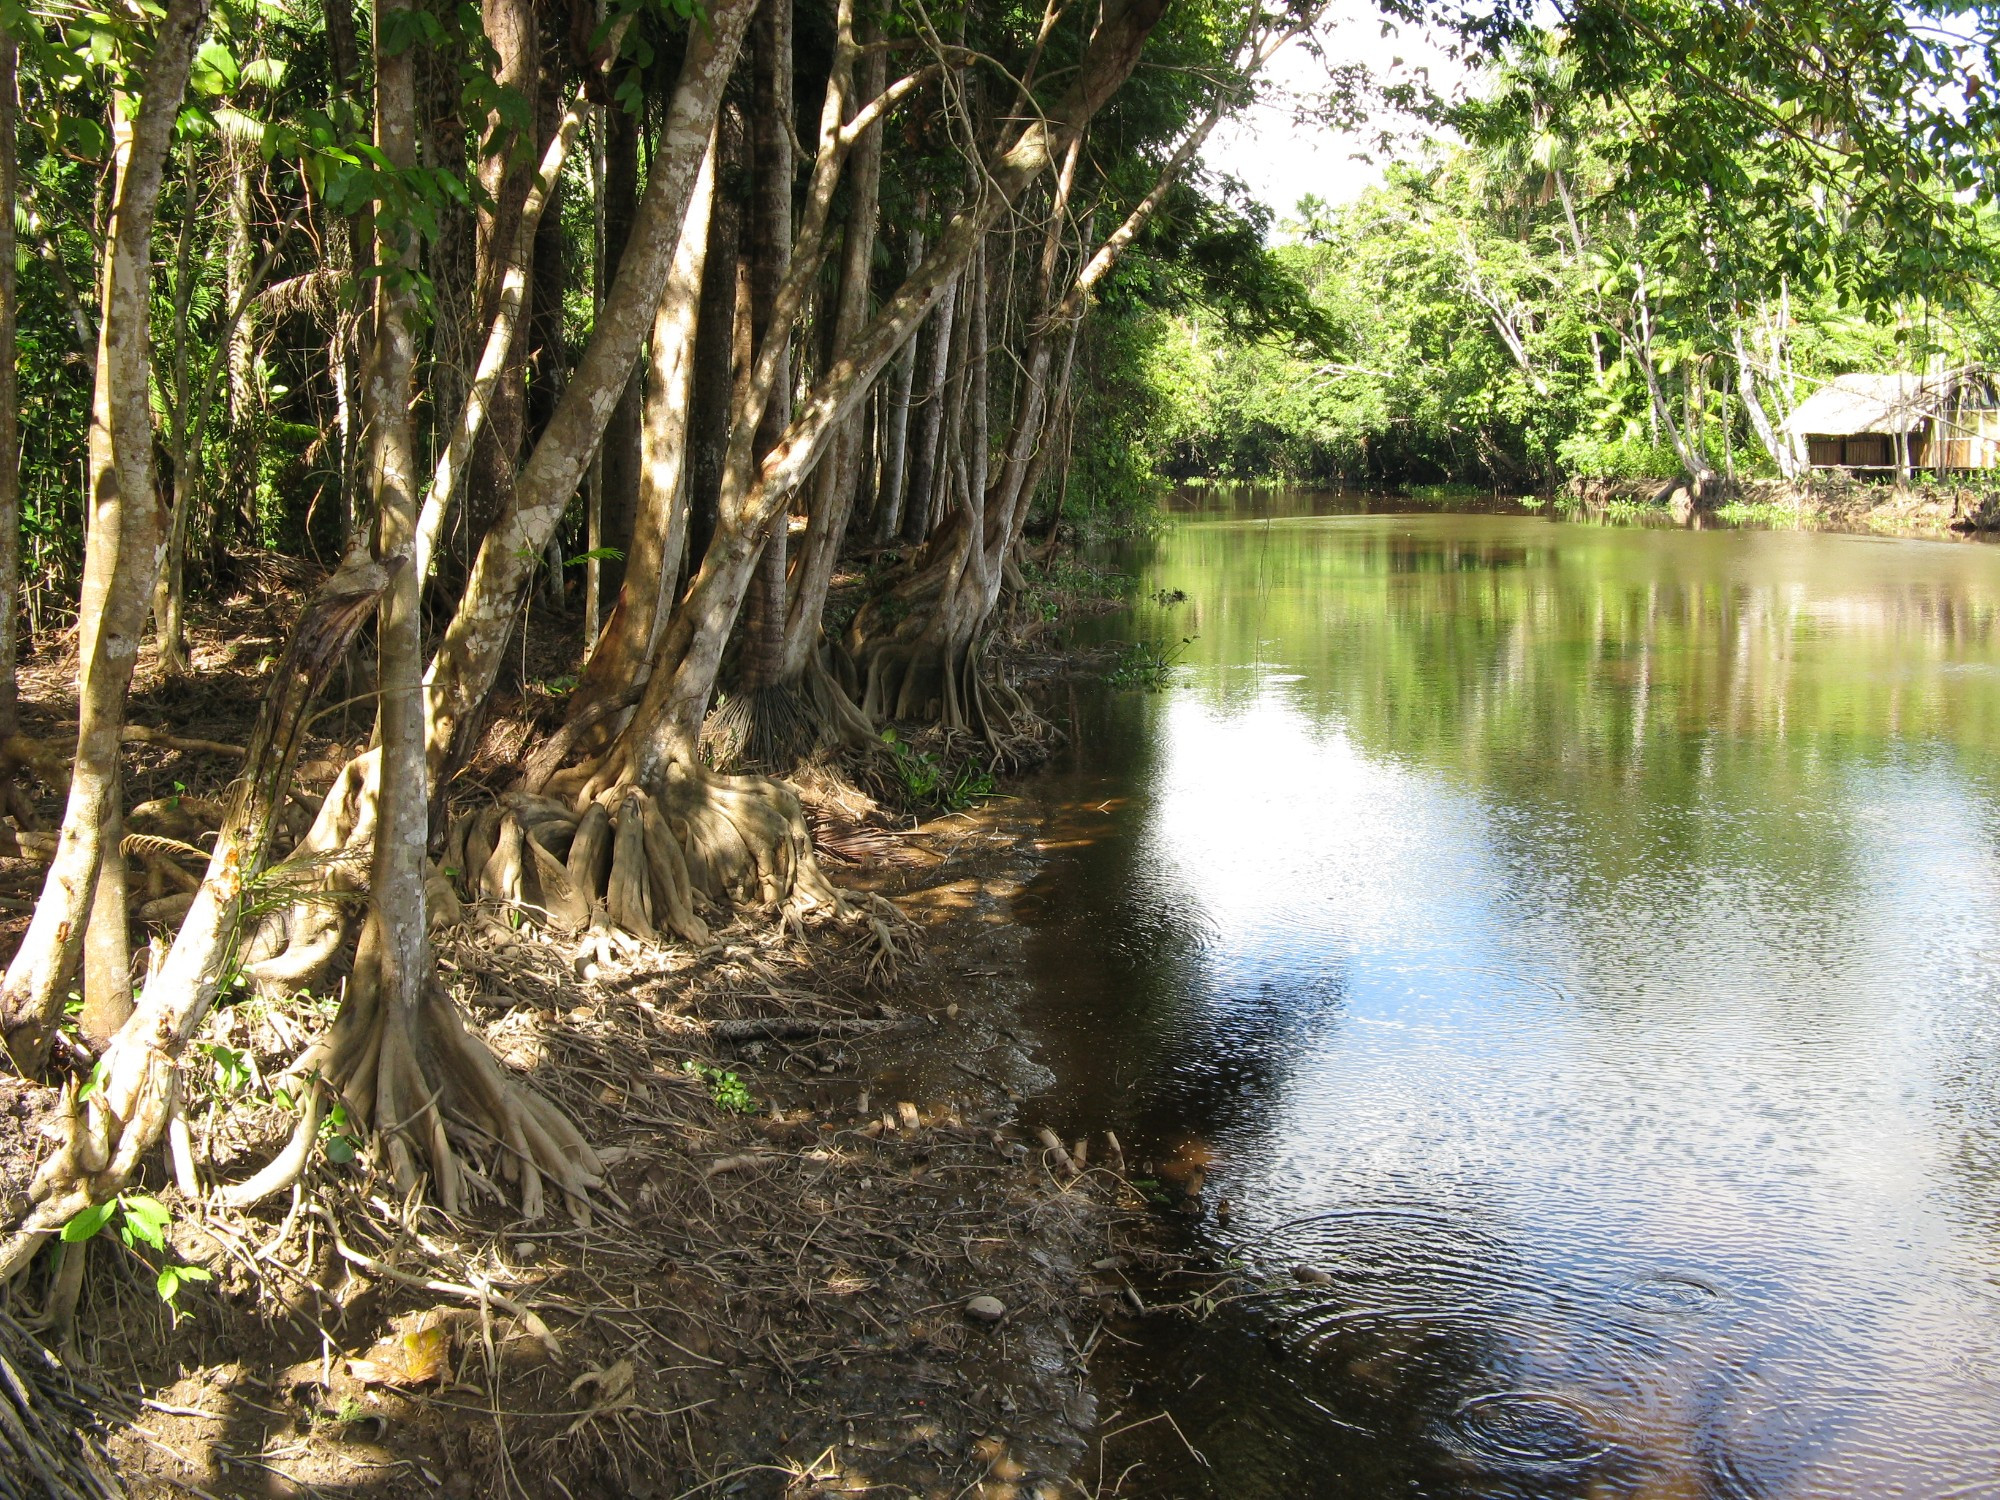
215 70
339 1149
598 554
146 1220
88 1222
173 1278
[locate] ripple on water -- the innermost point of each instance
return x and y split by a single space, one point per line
1668 1293
1528 1429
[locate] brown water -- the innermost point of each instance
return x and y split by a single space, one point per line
1583 945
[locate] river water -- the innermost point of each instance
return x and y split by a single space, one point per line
1579 946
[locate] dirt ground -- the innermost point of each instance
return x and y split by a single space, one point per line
774 1293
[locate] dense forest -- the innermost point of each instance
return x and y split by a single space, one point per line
1528 297
766 349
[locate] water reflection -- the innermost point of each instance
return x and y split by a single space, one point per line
1581 948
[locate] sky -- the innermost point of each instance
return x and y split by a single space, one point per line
1280 160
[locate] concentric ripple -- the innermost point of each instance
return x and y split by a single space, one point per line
1534 1429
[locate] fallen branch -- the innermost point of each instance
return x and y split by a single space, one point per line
145 734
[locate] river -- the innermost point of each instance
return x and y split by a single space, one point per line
1576 946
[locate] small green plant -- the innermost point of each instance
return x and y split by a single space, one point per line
1168 598
139 1220
1146 665
928 781
724 1087
232 1068
336 1136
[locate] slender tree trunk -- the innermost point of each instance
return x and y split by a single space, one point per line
350 342
660 529
396 910
619 453
507 173
715 363
838 477
493 375
239 162
919 503
121 550
10 395
896 418
770 260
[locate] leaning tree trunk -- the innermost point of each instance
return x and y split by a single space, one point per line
618 661
121 549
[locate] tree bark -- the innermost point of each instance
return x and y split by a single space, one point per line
396 912
508 176
715 362
770 261
896 418
919 504
618 455
660 530
10 395
121 551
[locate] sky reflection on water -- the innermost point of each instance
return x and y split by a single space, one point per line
1584 945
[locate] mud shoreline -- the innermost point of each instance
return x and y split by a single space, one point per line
816 1167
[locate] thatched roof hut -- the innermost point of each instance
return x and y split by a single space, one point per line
1948 421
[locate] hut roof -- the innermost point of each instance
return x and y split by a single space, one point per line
1870 403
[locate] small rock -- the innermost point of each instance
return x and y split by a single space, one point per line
1311 1276
524 1251
985 1309
952 1010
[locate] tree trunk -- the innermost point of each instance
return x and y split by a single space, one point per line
839 474
501 365
919 504
10 395
618 455
714 390
770 260
468 657
660 530
896 418
395 936
121 550
239 162
507 175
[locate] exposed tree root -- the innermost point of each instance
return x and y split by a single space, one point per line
625 866
435 1091
931 682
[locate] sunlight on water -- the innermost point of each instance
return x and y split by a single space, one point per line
1583 947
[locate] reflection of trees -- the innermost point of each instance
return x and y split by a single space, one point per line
1514 653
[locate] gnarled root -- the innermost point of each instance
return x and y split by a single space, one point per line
931 682
428 1088
628 865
